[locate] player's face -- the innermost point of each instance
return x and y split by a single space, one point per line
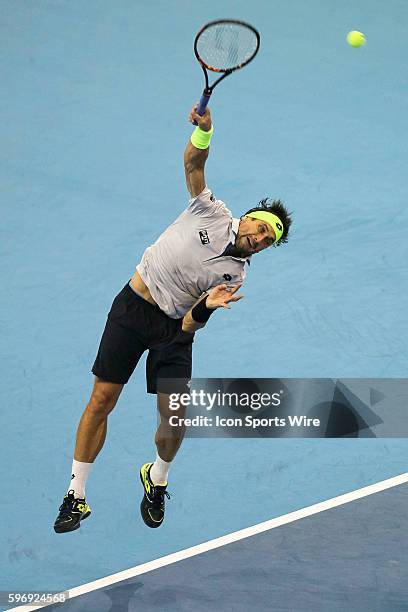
254 236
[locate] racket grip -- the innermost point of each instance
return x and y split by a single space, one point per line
202 105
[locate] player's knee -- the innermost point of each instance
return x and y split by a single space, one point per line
103 400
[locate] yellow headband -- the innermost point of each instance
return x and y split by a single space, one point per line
272 220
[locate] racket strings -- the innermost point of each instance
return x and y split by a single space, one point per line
226 46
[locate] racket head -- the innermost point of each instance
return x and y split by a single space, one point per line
225 45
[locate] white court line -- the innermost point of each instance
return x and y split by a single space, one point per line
228 539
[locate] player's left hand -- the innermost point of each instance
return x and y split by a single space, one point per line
223 295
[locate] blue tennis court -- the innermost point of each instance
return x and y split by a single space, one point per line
95 99
324 557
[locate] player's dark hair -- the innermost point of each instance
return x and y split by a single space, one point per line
277 208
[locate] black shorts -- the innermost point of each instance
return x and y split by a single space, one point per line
133 327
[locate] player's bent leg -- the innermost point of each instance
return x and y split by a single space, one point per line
92 427
91 435
154 475
169 436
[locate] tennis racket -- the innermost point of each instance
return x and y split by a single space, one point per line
224 45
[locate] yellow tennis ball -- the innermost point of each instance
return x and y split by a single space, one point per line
356 39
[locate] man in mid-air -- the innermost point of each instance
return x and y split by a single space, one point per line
196 266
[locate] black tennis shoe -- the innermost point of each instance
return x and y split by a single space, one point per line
153 503
71 512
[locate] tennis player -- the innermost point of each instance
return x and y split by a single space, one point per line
196 266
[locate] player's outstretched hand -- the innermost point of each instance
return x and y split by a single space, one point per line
223 295
204 121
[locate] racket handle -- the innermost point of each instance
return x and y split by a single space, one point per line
202 105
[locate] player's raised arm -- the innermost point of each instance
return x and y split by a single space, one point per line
196 152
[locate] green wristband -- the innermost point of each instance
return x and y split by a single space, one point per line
201 139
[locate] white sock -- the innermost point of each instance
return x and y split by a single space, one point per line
159 471
80 473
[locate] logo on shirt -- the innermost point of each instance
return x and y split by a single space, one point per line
227 277
204 237
212 198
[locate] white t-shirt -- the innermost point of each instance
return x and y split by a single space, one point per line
187 259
